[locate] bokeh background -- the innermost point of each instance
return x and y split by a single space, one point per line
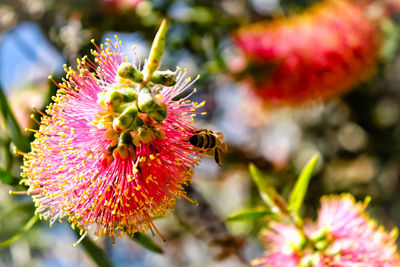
356 131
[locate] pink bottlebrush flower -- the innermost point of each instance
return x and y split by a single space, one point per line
343 236
353 238
111 154
284 245
341 216
311 56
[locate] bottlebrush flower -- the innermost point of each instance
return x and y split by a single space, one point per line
112 151
315 55
284 245
118 5
352 238
343 236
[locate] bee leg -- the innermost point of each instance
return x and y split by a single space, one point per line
218 156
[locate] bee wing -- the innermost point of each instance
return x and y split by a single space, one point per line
218 156
221 137
223 147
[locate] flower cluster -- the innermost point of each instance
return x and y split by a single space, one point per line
343 236
112 151
119 5
314 55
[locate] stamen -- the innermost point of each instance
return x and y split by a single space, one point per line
19 152
38 111
11 192
33 130
51 79
158 232
190 200
80 239
34 119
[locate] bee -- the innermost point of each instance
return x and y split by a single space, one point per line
209 143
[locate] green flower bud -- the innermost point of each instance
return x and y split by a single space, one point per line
137 123
146 102
159 130
121 151
156 52
135 139
160 113
125 138
167 78
131 110
129 94
128 71
322 244
122 123
144 135
321 234
113 98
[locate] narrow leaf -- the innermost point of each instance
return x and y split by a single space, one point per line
97 254
249 214
147 242
299 191
23 230
14 131
8 178
267 192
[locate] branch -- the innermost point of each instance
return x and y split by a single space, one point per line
206 226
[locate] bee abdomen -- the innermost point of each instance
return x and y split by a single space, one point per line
203 141
212 142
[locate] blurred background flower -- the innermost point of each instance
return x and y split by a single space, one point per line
310 56
344 235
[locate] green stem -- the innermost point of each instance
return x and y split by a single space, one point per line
24 229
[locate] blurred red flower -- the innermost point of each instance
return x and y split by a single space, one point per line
315 55
113 5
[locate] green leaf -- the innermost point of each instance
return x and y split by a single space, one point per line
249 214
97 254
147 242
8 178
14 131
391 41
24 229
299 191
267 192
